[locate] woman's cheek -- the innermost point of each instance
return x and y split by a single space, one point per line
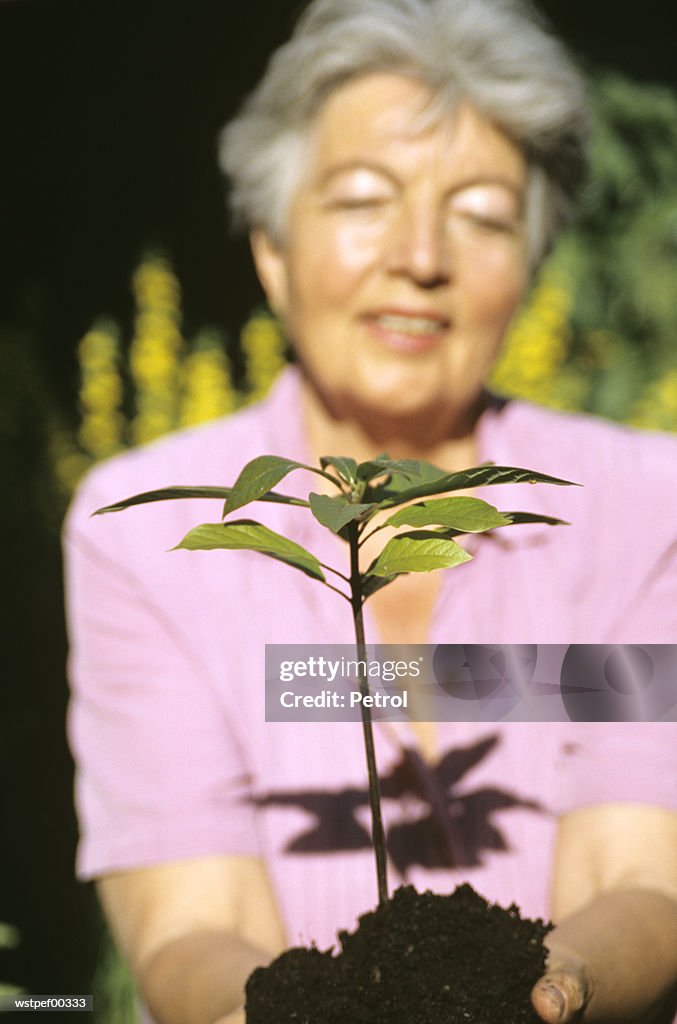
498 286
355 249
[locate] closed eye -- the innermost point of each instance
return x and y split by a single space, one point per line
361 203
489 208
487 223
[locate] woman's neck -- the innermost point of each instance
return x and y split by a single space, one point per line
452 445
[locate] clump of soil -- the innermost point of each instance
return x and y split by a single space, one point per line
418 959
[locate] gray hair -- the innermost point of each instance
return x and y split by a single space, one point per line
496 54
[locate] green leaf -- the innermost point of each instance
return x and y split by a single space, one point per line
533 517
245 534
407 468
345 467
420 551
259 476
335 512
164 494
171 493
366 470
466 515
370 584
477 476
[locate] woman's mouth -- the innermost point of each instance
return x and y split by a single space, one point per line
408 333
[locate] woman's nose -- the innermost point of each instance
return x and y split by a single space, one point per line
419 247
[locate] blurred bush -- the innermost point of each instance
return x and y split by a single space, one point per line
161 381
113 990
9 939
599 332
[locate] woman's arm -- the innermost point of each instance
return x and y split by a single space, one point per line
613 952
192 931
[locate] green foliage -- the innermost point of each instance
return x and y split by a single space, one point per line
172 493
113 989
419 551
397 491
9 939
336 512
620 260
363 491
346 468
466 515
259 476
245 534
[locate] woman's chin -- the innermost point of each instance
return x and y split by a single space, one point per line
394 405
407 393
395 412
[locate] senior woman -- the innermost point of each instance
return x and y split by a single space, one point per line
402 168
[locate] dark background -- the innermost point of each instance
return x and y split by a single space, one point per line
109 117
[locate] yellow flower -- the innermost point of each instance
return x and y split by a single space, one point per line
155 286
532 362
263 346
101 391
208 389
656 408
156 350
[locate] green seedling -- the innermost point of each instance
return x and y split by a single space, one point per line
365 501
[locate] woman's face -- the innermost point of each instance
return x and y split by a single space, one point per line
404 256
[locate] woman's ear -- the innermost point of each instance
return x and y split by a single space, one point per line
271 269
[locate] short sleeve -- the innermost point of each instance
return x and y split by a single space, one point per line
160 774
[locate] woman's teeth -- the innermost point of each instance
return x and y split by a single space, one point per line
410 324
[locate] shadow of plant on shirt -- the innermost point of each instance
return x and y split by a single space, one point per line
360 505
452 829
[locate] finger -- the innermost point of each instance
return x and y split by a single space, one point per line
560 995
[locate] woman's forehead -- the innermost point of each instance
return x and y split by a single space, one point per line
397 120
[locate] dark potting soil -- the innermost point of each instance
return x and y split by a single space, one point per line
418 959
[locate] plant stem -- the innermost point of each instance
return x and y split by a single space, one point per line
377 834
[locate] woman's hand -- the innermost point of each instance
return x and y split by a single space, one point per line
192 932
564 989
613 954
613 961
